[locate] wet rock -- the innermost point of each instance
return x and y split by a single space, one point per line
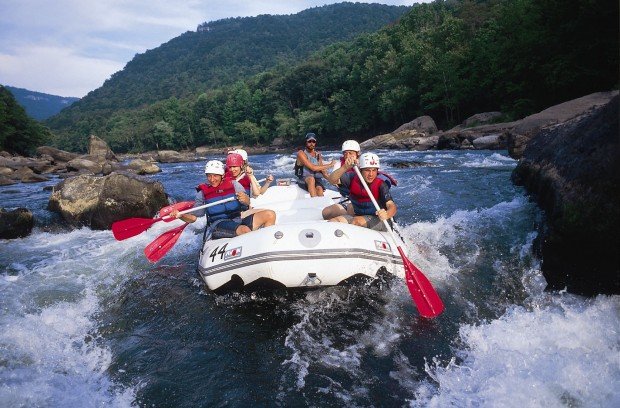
422 124
466 145
5 181
491 142
79 163
99 148
573 171
143 167
15 224
410 164
97 202
170 156
450 141
57 154
484 118
33 178
524 129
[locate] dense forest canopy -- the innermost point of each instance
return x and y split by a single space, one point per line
448 59
19 134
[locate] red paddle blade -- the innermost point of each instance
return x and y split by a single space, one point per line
424 295
131 227
182 206
163 243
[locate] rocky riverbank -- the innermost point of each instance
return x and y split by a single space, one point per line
572 169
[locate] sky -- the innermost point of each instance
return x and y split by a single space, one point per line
70 47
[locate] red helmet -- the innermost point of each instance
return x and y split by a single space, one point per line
234 160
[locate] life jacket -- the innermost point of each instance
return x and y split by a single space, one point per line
244 180
362 204
302 171
228 210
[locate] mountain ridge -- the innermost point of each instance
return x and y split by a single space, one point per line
40 105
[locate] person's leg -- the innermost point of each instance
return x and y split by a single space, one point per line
369 221
264 218
311 187
242 229
342 218
224 229
360 221
320 188
332 211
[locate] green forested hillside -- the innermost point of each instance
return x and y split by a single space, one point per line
18 132
219 53
448 59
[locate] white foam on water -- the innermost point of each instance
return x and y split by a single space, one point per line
282 163
492 161
561 351
52 359
50 350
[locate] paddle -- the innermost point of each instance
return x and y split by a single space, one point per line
162 244
183 205
422 292
131 227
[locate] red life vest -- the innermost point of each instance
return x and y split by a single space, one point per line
360 199
225 189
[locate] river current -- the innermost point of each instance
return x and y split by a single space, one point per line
87 321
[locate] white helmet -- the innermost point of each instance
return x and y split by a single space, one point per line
241 153
369 160
351 145
214 167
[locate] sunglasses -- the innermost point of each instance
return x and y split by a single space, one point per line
311 141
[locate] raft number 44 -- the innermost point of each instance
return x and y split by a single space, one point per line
223 253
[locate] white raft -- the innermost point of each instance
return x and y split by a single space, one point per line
300 251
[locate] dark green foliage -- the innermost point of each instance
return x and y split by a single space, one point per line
446 59
18 132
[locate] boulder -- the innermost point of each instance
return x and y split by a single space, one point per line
81 163
5 181
143 167
170 156
491 142
57 154
573 171
15 224
422 124
411 164
99 148
98 201
482 119
524 129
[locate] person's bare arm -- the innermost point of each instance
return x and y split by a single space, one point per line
303 159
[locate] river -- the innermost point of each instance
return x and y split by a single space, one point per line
87 321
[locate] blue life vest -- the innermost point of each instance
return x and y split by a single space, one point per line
228 210
362 204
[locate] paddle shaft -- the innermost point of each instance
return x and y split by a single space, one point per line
422 292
